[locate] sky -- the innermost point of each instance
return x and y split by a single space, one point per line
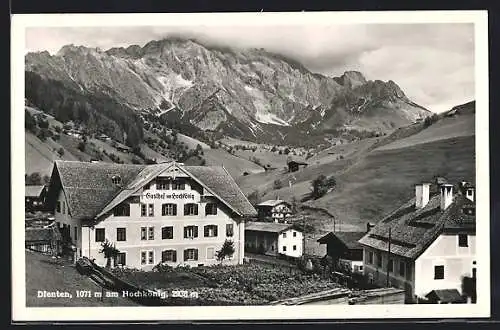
432 63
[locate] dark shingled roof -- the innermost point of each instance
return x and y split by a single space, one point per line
269 227
445 295
33 191
413 230
349 238
33 234
90 193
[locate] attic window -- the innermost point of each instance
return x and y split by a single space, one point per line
116 179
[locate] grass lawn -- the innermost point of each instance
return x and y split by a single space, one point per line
247 284
45 273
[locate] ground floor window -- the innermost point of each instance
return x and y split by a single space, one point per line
147 257
190 254
121 259
210 253
169 256
284 248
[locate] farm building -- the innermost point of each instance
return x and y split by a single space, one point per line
273 239
162 213
46 240
275 210
294 166
345 249
34 198
427 244
122 148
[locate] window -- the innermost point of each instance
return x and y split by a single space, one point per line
122 210
211 209
162 184
190 232
379 260
294 234
121 258
121 234
284 235
143 210
284 248
210 253
191 209
169 256
144 233
147 210
64 208
99 234
178 185
462 240
360 268
116 179
151 257
370 257
190 254
402 266
390 265
169 209
295 247
75 233
229 230
151 210
147 186
151 233
167 233
210 231
58 207
438 272
143 257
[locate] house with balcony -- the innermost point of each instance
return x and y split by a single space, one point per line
427 246
275 210
161 213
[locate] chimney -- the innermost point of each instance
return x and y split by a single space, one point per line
446 195
421 195
369 226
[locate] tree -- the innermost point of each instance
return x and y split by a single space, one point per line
46 179
110 252
277 184
29 122
226 251
321 185
254 197
60 152
81 146
34 179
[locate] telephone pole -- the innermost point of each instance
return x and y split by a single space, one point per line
389 257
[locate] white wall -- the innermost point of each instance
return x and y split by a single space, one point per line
457 262
134 245
289 242
63 217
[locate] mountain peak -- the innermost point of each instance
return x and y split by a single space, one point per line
351 79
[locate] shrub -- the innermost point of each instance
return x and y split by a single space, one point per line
33 179
226 251
277 184
60 152
429 120
321 185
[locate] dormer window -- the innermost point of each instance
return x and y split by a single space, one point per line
116 180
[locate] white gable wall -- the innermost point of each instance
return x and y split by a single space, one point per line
457 262
288 240
63 217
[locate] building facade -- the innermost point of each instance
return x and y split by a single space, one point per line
274 239
426 245
345 250
162 213
34 198
275 210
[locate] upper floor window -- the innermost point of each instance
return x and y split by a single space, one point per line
178 185
463 240
211 209
99 234
294 234
162 184
147 233
229 230
147 210
439 272
121 234
147 186
116 179
191 209
284 235
169 209
210 230
190 231
122 210
167 232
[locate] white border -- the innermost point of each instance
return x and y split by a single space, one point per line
21 313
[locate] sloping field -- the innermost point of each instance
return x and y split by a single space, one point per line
235 166
348 150
384 179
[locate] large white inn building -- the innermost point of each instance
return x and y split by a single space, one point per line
163 213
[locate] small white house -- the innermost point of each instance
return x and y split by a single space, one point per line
273 239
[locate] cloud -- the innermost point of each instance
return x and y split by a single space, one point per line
433 63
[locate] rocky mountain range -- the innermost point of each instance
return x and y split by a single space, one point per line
250 94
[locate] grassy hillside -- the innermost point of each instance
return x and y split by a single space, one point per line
236 166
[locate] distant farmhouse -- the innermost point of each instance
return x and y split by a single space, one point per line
34 198
273 239
294 166
162 213
426 246
275 210
345 249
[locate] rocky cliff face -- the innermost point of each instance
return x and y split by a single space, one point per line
245 93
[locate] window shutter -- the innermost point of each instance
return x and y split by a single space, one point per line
195 231
174 256
196 209
185 255
174 209
215 230
185 232
196 254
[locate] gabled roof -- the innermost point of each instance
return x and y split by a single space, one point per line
445 296
273 202
348 238
33 191
269 227
90 192
413 230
